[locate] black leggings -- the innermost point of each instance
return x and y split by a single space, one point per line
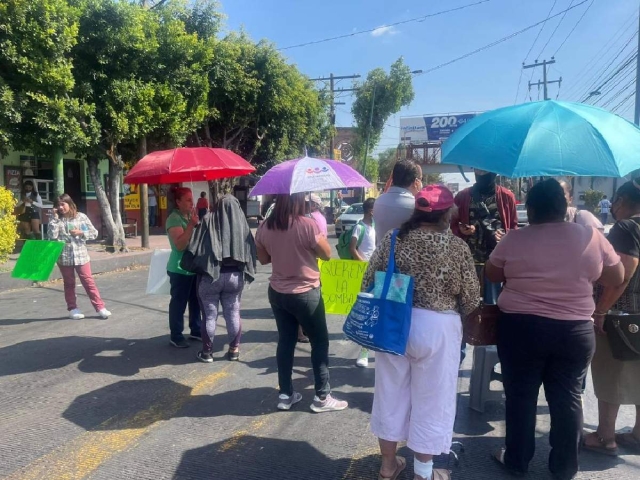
305 309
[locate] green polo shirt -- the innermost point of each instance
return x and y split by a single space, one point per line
176 220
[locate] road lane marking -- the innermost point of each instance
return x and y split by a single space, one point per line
84 454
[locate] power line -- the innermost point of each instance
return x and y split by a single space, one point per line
615 109
629 58
620 92
623 77
554 32
498 42
362 32
574 28
600 55
540 31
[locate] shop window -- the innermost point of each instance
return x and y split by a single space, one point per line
45 189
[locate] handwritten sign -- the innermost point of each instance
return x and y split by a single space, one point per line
37 259
341 282
132 201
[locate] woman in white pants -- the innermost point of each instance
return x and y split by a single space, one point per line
415 395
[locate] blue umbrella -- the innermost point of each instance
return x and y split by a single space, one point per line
547 138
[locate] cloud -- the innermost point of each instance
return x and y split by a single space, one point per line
380 31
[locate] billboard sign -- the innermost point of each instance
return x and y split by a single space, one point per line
431 128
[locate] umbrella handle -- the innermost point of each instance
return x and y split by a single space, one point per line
462 173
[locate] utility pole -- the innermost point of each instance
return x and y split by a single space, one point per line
332 88
144 199
366 145
636 118
544 82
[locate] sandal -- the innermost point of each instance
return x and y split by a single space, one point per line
441 474
629 441
498 457
601 448
401 464
303 339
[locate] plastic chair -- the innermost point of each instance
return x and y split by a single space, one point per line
482 374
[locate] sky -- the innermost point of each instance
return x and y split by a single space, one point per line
484 81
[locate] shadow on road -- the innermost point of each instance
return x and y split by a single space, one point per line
115 356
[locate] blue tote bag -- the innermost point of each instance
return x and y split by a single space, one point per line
382 323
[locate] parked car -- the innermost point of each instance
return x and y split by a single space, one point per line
349 218
523 218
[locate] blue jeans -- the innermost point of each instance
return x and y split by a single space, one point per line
153 215
183 293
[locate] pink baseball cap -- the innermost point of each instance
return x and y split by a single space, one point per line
433 198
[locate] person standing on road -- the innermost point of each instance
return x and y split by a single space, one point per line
365 229
396 205
486 212
152 195
545 331
74 229
292 243
231 263
605 208
315 209
616 382
180 224
415 394
203 205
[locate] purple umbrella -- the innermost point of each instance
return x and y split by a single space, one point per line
308 175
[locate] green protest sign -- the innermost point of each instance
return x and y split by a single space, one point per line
341 282
37 259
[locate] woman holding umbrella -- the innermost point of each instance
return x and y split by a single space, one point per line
180 225
292 243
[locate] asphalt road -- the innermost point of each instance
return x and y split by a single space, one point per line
112 400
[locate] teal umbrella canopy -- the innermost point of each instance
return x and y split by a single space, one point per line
547 138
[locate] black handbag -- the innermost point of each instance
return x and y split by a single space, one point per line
623 333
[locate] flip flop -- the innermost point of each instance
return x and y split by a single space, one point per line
629 441
601 448
441 474
401 464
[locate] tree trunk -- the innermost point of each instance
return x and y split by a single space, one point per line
144 199
115 172
105 206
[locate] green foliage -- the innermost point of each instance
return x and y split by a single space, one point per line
36 80
8 227
388 93
386 161
260 106
432 178
591 199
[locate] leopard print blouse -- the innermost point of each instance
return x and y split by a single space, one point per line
441 265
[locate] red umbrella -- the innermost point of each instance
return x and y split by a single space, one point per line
188 165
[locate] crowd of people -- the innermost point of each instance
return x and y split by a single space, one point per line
554 281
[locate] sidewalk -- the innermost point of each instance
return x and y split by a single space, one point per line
101 260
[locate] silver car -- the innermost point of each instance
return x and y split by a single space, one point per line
348 219
523 218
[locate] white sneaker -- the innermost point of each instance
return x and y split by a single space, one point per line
104 313
76 314
363 358
285 402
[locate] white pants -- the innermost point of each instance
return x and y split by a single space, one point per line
415 395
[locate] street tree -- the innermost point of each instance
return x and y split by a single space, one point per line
260 106
143 72
376 99
386 161
39 111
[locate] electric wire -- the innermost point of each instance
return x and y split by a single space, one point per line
554 31
574 27
362 32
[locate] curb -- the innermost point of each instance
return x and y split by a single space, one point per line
101 265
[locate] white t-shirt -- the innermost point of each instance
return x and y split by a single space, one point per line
605 205
368 245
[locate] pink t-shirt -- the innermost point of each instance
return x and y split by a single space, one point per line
321 221
293 258
550 269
